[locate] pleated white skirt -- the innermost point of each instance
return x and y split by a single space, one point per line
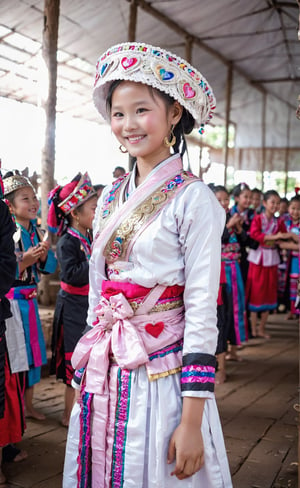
154 411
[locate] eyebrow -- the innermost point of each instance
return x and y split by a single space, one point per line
139 102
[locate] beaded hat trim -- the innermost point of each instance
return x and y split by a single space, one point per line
155 67
82 191
15 182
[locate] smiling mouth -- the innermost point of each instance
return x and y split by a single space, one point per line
134 139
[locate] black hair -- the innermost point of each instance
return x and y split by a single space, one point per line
269 194
238 189
284 200
296 198
218 188
184 126
256 190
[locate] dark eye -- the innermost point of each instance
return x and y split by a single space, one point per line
141 110
117 114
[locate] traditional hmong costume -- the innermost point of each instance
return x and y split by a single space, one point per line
73 252
293 269
235 310
24 335
261 289
11 409
154 275
245 239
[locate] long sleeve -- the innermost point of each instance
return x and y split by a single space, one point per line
74 267
256 230
200 234
7 261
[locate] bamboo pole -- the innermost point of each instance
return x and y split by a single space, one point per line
287 151
263 138
188 49
133 11
227 119
49 50
132 21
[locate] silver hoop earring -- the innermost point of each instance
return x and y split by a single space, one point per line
122 149
171 140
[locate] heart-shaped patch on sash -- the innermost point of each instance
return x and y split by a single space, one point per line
155 329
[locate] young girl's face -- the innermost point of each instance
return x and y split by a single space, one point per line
294 210
244 199
255 199
25 205
141 120
223 198
86 213
272 204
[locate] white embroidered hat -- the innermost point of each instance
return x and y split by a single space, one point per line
139 62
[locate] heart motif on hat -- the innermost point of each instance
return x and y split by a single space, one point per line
128 63
106 67
155 329
188 92
164 75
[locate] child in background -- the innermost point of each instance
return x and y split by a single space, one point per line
71 213
11 412
256 200
34 257
235 299
261 289
242 195
293 225
284 208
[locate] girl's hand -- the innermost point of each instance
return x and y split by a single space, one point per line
44 247
186 447
30 257
234 220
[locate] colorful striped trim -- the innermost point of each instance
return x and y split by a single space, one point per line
122 414
176 347
262 308
84 455
198 372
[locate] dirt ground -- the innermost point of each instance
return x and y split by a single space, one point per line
258 408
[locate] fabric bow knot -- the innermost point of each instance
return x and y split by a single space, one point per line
112 334
110 311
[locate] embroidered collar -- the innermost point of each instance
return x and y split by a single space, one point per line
85 241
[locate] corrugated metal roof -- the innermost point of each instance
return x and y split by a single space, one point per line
259 38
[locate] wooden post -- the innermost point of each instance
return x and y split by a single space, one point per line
227 118
131 37
49 49
263 138
287 150
188 49
132 21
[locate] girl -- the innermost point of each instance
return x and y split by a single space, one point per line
72 208
24 336
11 412
147 414
235 315
293 225
242 196
262 277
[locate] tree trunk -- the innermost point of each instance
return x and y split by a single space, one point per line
49 50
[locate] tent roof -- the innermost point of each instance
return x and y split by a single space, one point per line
258 39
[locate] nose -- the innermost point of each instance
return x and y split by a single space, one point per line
129 122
